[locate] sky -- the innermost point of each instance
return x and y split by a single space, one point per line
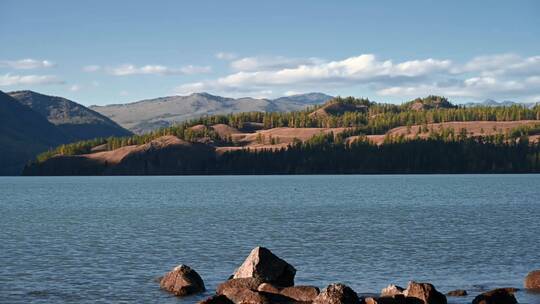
103 52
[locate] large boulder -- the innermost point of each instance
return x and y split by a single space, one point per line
496 296
424 293
337 294
263 264
242 283
532 280
182 281
297 293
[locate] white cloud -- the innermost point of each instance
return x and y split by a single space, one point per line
258 63
26 64
91 68
14 80
291 93
123 93
193 69
491 76
501 64
226 56
354 70
474 87
75 88
130 69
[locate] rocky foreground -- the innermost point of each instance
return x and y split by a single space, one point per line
264 278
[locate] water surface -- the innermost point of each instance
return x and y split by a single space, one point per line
106 239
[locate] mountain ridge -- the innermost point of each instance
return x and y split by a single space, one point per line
74 119
149 114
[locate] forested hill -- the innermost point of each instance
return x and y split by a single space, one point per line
344 135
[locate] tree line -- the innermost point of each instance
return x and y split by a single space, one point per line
371 118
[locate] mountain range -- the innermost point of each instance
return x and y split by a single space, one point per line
147 115
504 103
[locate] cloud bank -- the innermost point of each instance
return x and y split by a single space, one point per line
26 64
499 75
14 80
131 69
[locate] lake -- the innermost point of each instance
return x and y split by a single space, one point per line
106 239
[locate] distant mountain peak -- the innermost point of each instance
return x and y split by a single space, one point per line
147 115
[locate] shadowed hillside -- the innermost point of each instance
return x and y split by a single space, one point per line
23 134
71 117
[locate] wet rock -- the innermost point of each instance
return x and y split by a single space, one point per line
532 280
297 293
217 299
263 264
242 283
337 294
392 290
457 293
425 293
182 281
496 296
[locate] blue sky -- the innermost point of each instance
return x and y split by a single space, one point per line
100 52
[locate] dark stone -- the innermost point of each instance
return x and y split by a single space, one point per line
395 299
496 296
457 293
217 299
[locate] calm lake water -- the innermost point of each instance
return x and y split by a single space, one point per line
106 239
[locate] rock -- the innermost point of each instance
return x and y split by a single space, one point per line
217 299
395 299
337 294
457 293
242 283
392 290
297 293
496 296
182 281
532 280
267 287
263 264
301 293
424 292
247 296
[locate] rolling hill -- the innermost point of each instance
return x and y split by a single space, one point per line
148 115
